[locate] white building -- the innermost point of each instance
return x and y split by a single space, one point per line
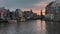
20 15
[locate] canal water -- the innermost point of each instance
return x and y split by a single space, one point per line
30 27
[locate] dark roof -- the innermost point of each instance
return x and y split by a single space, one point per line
50 4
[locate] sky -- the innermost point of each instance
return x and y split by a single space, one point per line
36 5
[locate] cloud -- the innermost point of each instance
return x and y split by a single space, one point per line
22 3
26 9
41 4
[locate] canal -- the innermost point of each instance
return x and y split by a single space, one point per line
30 27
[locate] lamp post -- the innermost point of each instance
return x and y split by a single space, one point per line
41 14
41 21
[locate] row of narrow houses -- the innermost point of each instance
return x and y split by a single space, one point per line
18 14
5 13
30 15
10 15
52 13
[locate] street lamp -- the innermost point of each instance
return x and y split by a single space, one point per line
41 21
41 14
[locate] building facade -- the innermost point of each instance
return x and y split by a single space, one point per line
28 14
12 15
19 15
51 10
16 13
3 12
8 14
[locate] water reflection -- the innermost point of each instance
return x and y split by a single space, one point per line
41 27
29 27
3 29
53 27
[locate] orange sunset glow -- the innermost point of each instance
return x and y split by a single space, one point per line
35 10
38 11
43 11
41 4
